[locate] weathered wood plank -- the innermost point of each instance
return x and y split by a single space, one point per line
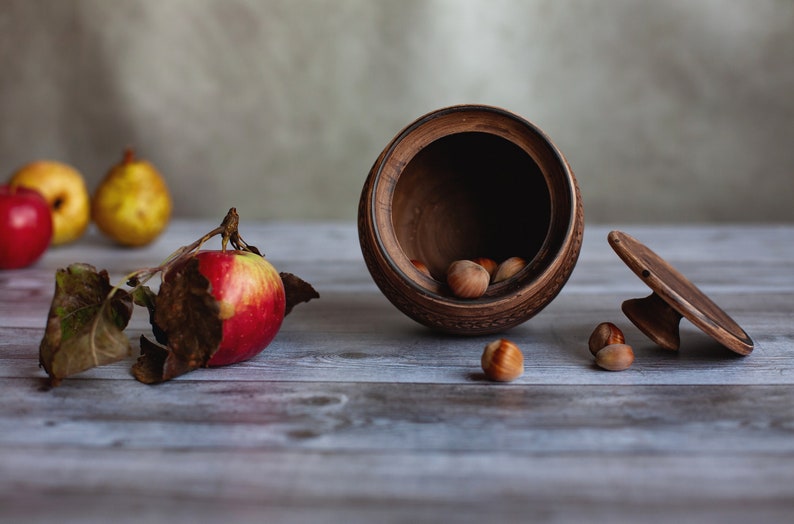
361 337
322 241
619 420
205 485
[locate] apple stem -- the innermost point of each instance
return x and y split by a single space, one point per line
231 233
228 229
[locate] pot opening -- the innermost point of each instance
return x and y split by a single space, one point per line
467 195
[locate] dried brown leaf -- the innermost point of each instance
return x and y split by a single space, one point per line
187 318
296 290
84 326
144 296
157 364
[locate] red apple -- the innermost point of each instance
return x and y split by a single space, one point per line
25 226
252 301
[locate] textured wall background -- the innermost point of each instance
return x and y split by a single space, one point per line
668 111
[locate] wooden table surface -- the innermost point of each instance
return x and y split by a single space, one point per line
355 413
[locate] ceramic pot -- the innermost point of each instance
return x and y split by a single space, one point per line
463 182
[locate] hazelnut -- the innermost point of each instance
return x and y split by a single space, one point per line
488 263
615 357
605 334
508 268
502 361
422 267
467 279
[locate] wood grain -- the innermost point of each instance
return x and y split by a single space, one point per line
356 413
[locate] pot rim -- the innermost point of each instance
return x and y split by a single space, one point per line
542 261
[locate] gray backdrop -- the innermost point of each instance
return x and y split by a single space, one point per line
668 111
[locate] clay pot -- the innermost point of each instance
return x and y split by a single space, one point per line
463 182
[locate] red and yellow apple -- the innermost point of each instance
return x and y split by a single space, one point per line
252 302
64 188
25 226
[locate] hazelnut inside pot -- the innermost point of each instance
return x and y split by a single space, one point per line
461 183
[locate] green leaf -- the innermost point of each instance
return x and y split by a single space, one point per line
144 296
84 326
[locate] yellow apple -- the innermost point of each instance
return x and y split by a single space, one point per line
132 204
64 189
